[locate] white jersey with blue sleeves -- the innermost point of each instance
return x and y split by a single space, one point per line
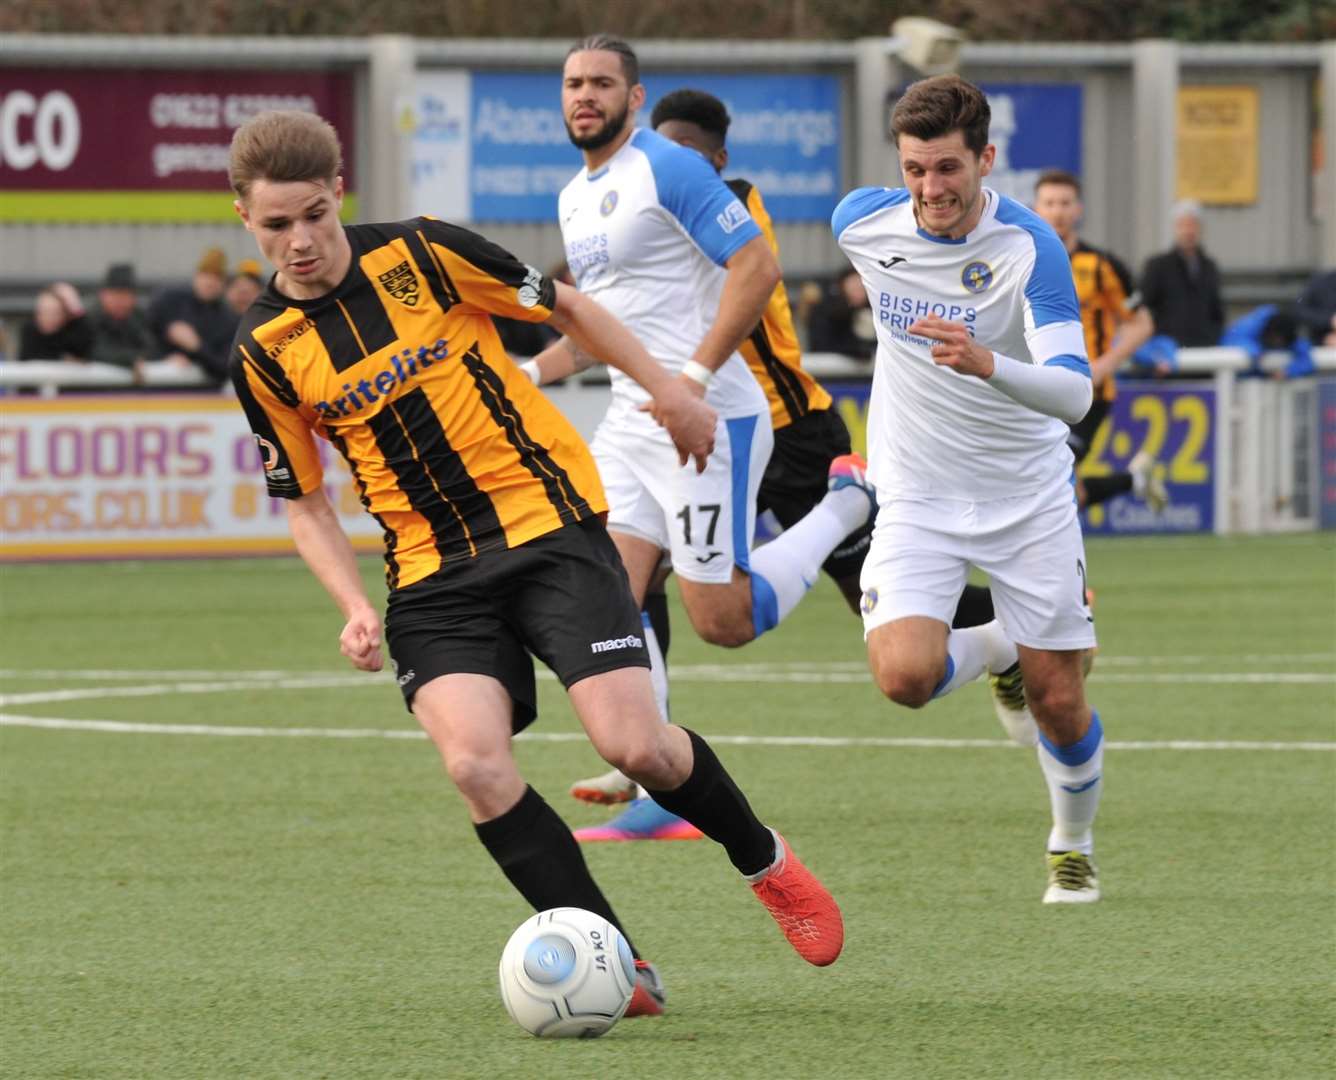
644 235
931 430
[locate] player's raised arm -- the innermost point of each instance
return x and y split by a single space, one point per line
592 330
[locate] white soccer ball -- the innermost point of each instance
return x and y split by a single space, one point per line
567 973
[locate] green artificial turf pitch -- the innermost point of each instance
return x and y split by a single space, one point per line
188 905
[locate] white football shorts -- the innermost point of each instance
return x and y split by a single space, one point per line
1030 547
706 520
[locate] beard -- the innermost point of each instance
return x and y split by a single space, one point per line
612 127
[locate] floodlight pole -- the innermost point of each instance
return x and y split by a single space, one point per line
386 167
877 70
1155 67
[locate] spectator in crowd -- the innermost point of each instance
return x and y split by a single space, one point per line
1316 310
58 328
1181 290
243 287
192 323
843 322
121 333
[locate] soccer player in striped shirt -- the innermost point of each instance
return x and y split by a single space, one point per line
378 338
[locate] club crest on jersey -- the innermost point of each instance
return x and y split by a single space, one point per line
977 276
401 283
609 203
869 602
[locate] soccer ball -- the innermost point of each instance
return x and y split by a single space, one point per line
567 973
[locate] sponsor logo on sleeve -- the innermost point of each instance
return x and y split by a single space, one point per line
733 217
268 452
531 290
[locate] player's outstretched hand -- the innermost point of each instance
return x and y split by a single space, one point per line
955 348
681 410
360 640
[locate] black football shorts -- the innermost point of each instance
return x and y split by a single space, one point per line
562 597
795 481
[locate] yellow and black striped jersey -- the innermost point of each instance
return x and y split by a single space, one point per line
452 448
1103 286
772 351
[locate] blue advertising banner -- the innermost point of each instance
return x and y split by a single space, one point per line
1035 126
1174 424
785 139
1326 454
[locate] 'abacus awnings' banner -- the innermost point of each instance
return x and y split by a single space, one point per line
1035 127
492 146
91 144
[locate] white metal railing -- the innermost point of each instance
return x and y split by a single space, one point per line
1266 452
50 377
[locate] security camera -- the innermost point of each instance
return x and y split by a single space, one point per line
927 45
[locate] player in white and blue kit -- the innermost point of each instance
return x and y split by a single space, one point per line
647 225
980 367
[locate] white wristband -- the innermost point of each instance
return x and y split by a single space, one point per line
530 368
697 372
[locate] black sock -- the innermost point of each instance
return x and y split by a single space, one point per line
542 859
1100 488
975 607
712 802
656 607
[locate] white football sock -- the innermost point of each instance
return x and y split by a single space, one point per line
791 562
1075 779
972 651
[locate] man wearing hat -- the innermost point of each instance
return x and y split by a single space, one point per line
121 333
192 323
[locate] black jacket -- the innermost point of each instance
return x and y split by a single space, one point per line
1187 308
1317 305
122 341
75 339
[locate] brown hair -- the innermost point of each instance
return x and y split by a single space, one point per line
931 108
283 146
1059 176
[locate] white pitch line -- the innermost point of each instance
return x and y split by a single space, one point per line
117 727
314 682
362 680
769 669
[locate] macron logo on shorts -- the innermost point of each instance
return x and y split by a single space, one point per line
615 643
